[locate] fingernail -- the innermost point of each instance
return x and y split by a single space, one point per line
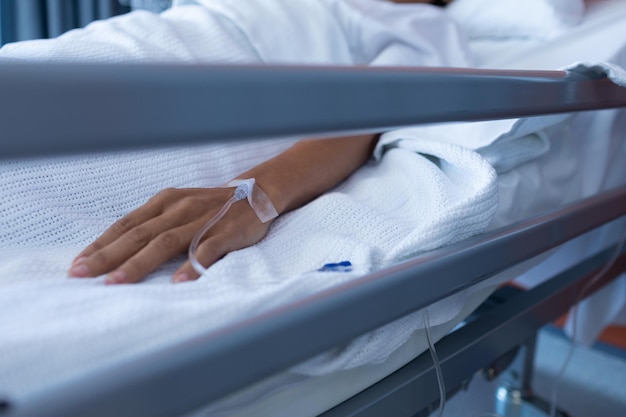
79 260
116 277
180 277
79 270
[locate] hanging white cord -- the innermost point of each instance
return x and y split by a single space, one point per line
439 371
574 313
436 364
258 200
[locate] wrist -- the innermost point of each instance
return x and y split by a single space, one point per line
267 177
310 168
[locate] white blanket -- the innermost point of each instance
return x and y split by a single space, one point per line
418 196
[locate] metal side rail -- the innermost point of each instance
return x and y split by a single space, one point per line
68 108
202 369
413 389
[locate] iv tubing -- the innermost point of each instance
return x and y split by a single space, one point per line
196 239
436 364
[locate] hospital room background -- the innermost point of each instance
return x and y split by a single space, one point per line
588 376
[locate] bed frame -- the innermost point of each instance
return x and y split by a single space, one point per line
141 106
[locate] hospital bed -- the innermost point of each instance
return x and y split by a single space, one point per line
200 370
213 365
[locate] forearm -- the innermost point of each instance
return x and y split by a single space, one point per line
310 168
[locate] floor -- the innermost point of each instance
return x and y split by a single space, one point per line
593 384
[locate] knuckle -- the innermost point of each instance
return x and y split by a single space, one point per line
168 241
94 247
139 235
122 225
207 254
168 193
135 267
229 230
164 196
193 204
99 258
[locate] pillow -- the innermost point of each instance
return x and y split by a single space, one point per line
531 19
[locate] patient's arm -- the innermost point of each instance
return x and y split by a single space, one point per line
164 226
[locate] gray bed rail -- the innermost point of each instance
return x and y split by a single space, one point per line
61 108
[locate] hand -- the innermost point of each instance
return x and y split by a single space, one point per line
163 228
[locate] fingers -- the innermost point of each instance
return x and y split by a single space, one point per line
159 250
158 234
125 238
151 209
162 229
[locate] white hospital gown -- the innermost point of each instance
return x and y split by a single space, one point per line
331 32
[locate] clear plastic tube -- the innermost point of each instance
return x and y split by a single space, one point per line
193 247
436 364
439 371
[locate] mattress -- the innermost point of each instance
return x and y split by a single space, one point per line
518 189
